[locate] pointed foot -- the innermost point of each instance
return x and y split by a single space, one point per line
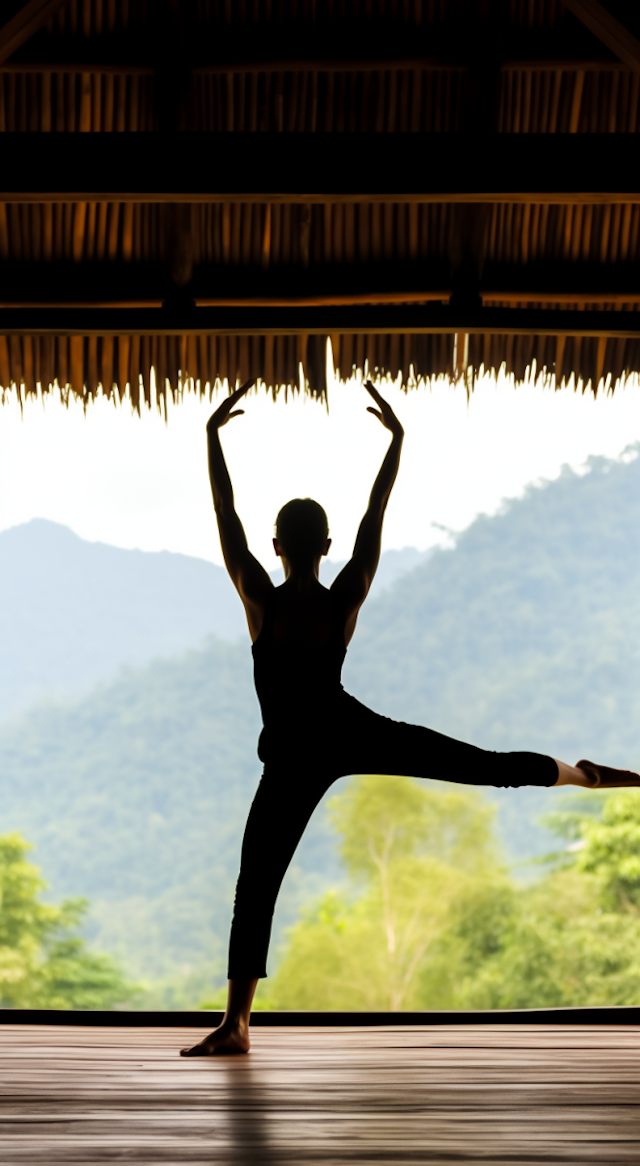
604 777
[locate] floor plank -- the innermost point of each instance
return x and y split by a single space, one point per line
481 1094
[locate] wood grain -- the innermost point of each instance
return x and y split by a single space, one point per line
484 1094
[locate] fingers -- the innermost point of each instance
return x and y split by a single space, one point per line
379 400
243 388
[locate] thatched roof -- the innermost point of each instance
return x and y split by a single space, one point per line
406 276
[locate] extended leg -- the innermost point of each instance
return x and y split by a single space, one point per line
370 743
375 744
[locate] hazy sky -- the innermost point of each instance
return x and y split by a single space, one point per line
139 482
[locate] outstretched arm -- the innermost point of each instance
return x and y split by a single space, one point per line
355 579
248 575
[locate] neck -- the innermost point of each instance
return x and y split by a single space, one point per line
302 577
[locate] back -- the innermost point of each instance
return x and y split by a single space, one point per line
298 659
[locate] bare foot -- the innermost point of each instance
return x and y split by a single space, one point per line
226 1039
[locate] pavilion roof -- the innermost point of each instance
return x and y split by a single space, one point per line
213 187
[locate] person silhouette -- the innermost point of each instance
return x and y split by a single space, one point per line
313 731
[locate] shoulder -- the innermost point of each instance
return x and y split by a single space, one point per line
257 607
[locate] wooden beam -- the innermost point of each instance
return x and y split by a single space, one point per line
320 321
318 168
610 31
584 299
397 65
23 23
95 283
321 301
489 299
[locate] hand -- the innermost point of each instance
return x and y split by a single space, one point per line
225 411
384 412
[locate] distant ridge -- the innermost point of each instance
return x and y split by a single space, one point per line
72 612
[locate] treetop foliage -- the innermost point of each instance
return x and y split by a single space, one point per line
42 963
437 923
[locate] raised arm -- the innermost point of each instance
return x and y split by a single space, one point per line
248 575
353 583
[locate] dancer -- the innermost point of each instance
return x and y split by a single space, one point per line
314 732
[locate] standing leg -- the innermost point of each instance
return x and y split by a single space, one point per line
281 809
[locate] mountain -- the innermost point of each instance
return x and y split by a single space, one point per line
525 635
73 612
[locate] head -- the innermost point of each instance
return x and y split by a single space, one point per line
302 534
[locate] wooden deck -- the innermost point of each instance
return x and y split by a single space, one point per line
491 1094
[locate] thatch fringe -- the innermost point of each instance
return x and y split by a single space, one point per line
79 365
83 365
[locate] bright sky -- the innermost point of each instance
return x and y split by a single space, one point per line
139 482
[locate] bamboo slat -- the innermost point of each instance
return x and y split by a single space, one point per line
334 96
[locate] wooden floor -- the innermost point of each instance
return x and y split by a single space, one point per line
489 1094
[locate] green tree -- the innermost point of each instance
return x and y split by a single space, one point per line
573 938
610 850
411 854
431 920
43 964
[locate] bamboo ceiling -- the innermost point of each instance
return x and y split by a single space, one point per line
422 68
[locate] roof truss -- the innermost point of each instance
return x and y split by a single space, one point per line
610 31
19 22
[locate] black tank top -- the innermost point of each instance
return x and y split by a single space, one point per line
297 673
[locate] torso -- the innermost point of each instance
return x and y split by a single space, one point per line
298 655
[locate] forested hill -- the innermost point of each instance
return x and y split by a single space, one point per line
526 635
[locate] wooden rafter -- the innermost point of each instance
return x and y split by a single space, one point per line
120 283
610 31
286 321
320 168
24 20
396 65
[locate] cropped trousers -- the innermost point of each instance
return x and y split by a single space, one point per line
299 770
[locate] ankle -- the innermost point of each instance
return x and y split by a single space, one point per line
571 775
236 1021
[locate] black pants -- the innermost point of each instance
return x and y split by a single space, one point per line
297 777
